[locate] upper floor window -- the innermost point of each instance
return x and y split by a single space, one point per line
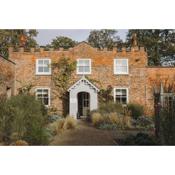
43 67
84 66
120 66
121 95
43 94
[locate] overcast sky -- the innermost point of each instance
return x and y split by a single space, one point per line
45 36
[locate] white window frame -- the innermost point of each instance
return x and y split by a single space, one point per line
127 93
44 88
121 73
43 73
84 73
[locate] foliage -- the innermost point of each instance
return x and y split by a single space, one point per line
24 116
97 119
144 122
5 75
62 124
111 107
25 88
12 38
62 74
139 139
56 126
21 143
136 110
54 117
103 121
105 38
70 123
107 126
160 45
62 42
167 127
105 95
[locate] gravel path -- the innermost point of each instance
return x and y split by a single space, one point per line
84 134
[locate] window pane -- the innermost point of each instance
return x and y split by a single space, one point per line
86 69
46 69
86 62
121 96
46 101
81 69
40 69
46 62
123 91
45 91
123 100
118 92
121 66
123 69
40 62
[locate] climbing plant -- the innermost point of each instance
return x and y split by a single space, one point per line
105 95
62 74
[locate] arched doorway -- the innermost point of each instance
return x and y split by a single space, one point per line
83 97
83 104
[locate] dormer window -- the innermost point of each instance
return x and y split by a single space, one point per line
121 66
43 66
83 66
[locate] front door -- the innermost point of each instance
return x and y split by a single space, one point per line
83 104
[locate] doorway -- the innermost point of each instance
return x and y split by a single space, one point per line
83 104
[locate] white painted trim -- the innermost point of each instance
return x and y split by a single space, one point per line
121 73
83 78
42 73
49 95
127 93
83 73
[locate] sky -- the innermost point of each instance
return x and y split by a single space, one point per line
45 36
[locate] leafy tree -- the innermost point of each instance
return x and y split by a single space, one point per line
63 42
104 38
160 45
16 38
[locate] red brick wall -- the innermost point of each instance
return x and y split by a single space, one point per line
7 75
137 81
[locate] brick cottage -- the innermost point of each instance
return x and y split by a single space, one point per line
127 71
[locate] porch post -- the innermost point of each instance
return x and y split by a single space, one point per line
73 105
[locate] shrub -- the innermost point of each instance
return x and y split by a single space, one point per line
56 126
110 107
108 126
144 122
24 116
70 123
97 119
139 139
21 143
54 117
136 110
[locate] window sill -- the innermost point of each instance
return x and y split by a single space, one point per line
39 74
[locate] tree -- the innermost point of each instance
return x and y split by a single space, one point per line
16 38
63 42
104 39
160 45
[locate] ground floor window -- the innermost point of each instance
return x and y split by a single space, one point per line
43 94
121 95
